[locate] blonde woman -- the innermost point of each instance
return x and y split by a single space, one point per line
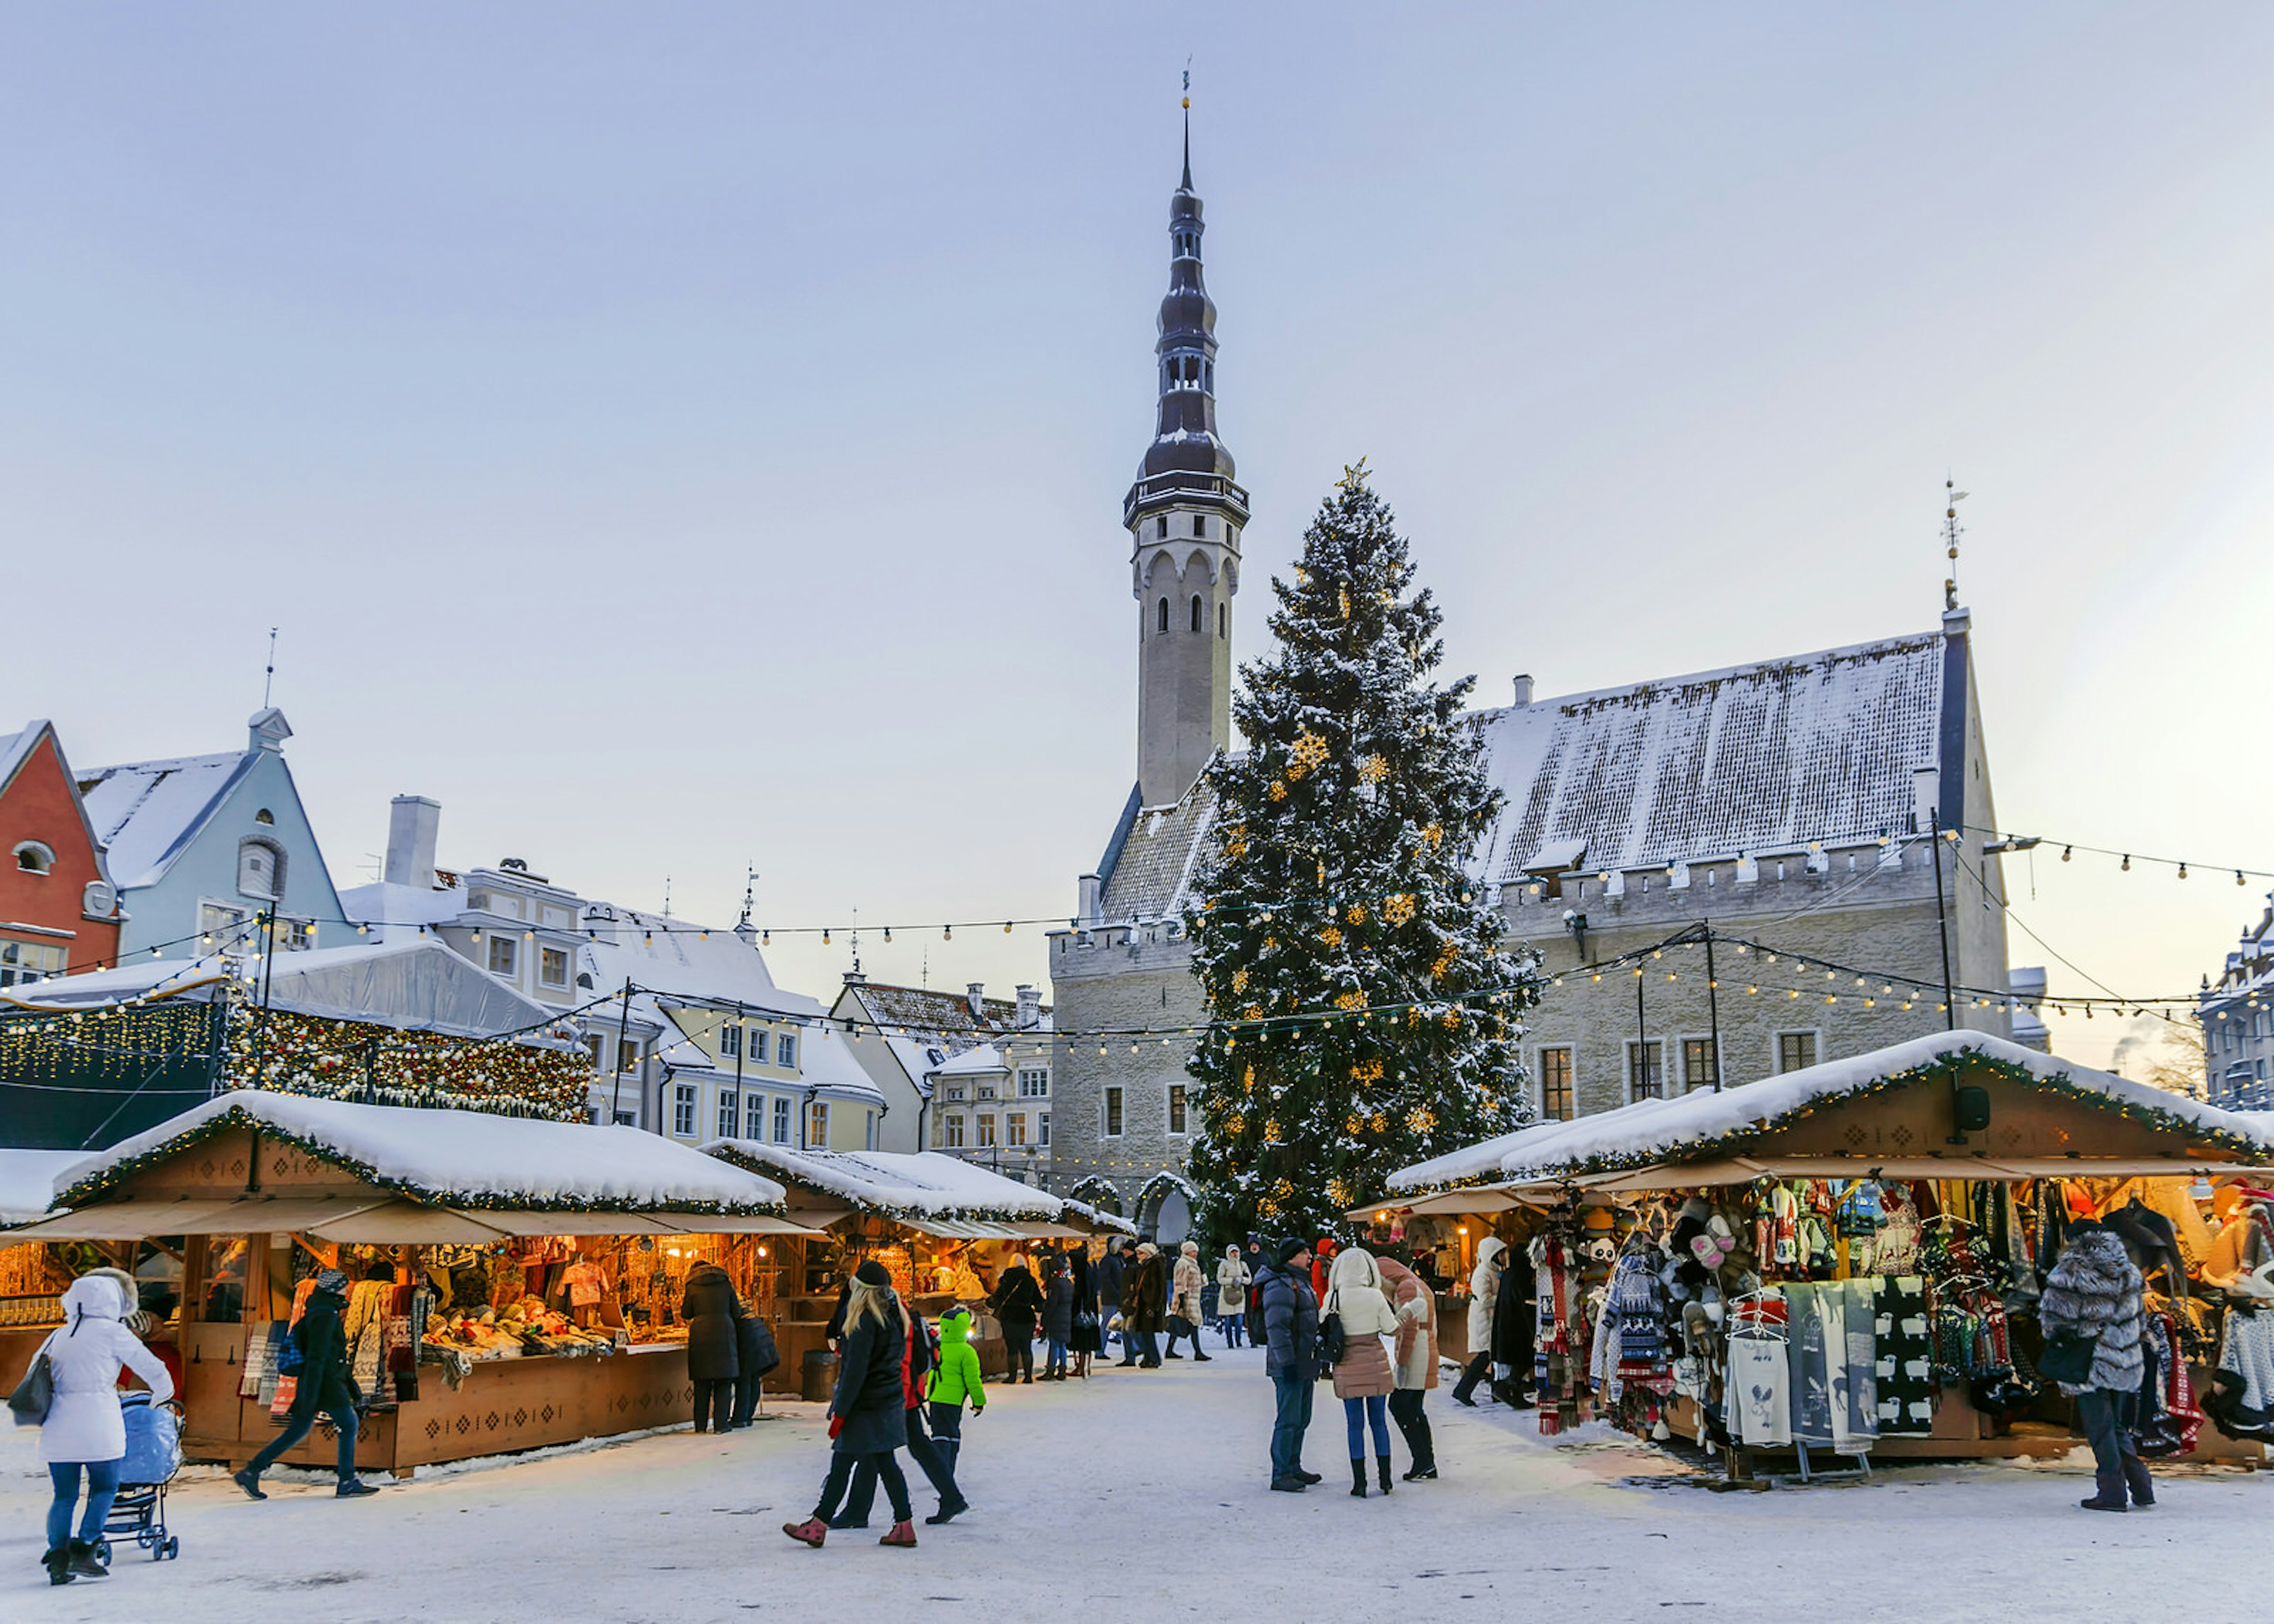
868 1416
1185 1284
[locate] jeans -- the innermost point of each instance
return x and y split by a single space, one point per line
1405 1409
1287 1428
886 1466
2107 1418
1056 1362
101 1489
1233 1325
714 1405
298 1424
1358 1414
938 1465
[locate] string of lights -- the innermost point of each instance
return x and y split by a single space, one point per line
2003 843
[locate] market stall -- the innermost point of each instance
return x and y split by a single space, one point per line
1848 1257
33 1275
944 1227
515 1282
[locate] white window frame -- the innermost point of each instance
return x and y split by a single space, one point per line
987 1140
730 1113
783 1106
785 1051
1685 1041
730 1041
42 856
951 1130
1015 1130
1042 1130
276 892
545 957
816 1125
502 945
758 1055
1035 1082
754 1116
684 1100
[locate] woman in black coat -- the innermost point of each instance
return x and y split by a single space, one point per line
1088 1335
1018 1303
1057 1315
868 1414
709 1311
325 1384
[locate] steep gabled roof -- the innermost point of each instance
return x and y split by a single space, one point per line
917 1011
147 813
16 749
1157 858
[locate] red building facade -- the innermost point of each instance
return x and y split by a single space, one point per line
59 910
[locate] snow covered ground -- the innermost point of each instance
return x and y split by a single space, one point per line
1141 1496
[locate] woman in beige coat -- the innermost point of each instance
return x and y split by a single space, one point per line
1363 1379
1185 1285
1413 1362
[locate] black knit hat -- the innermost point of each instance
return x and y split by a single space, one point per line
1283 1253
872 1273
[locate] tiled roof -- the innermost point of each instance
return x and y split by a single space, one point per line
1158 859
1755 758
921 1010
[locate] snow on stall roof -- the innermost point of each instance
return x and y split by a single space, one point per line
1651 1129
444 1155
1760 757
1097 1217
28 1180
145 812
923 1181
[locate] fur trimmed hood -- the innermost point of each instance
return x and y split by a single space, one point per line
2094 1289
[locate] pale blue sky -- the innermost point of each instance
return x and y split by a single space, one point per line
678 439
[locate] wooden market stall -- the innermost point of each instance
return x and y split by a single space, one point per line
1874 1233
516 1281
33 1275
945 1226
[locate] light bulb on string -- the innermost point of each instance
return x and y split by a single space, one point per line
2126 866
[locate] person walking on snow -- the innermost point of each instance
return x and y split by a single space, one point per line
1145 1303
1363 1379
955 1379
2094 1291
1232 1281
1414 1361
325 1384
868 1414
1484 1298
1290 1310
85 1431
1017 1303
1185 1301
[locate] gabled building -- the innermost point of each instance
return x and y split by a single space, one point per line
902 1035
58 908
2236 1013
1833 808
204 845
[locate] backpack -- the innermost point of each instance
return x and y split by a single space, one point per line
1257 1333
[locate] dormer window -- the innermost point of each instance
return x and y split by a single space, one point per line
33 857
260 870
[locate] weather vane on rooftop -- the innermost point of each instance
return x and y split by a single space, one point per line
1950 535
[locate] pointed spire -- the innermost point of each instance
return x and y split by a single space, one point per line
1188 184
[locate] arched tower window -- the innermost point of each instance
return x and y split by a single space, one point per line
1198 624
1165 614
1224 620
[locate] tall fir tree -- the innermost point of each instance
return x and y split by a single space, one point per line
1364 1009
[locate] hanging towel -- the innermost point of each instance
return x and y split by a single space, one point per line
1758 1391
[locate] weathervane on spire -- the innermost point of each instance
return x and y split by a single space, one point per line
1951 532
1188 123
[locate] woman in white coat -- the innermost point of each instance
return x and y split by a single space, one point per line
1232 1281
86 1430
1363 1379
1484 1298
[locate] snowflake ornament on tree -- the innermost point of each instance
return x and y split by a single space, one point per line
1354 973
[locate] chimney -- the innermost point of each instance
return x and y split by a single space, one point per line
1030 1007
413 823
1523 690
975 993
1092 898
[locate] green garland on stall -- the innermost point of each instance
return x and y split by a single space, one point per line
236 1117
1941 1068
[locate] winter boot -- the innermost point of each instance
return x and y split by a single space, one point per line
813 1530
2142 1484
1358 1477
1282 1485
353 1488
1200 1358
1423 1471
85 1563
902 1533
250 1482
1309 1476
58 1561
2098 1504
1381 1470
949 1510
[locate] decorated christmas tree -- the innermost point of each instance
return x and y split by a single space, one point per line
1365 1011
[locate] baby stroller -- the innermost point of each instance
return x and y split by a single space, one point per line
154 1454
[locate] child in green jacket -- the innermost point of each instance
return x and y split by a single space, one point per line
955 1378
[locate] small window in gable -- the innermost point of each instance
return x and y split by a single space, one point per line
264 817
33 857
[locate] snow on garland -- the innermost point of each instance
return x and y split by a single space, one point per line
475 1160
330 1059
899 1185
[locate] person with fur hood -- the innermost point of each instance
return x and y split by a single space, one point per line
85 1431
1414 1361
1233 1276
1185 1283
2094 1291
1363 1379
1484 1298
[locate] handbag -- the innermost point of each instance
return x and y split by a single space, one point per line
35 1394
2069 1357
1333 1341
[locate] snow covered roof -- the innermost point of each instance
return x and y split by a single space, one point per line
417 984
985 1057
454 1156
147 813
924 1184
921 1011
678 955
1693 1124
15 746
27 1181
1752 758
385 903
1154 867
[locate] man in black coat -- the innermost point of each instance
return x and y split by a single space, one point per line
324 1383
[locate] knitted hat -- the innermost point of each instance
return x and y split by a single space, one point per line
1285 1252
332 1280
872 1273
